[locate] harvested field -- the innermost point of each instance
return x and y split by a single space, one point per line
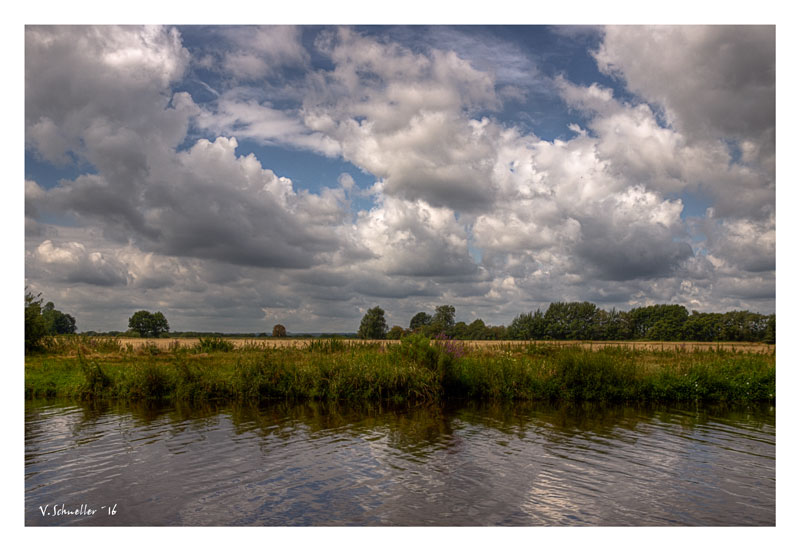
653 346
754 348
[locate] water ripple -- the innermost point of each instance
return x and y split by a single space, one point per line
323 465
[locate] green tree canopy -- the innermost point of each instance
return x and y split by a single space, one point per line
373 324
769 330
420 319
395 333
571 320
57 322
477 330
444 319
35 324
662 322
147 324
445 314
528 326
667 322
460 330
41 321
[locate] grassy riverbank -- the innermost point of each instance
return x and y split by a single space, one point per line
415 370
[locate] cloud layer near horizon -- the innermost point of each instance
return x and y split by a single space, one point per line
159 207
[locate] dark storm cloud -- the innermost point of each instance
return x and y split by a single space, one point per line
444 264
91 275
223 208
460 189
634 252
227 230
218 206
387 287
155 282
760 288
605 295
114 207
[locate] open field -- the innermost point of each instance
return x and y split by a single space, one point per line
412 370
239 343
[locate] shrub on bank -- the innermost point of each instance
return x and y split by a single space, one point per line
214 344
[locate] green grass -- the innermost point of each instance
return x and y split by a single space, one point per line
417 370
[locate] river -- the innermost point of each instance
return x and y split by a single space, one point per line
316 464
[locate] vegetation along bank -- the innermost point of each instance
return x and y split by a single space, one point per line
415 369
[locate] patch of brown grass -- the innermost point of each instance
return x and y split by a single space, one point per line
653 346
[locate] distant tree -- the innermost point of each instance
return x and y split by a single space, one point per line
58 323
496 332
64 324
528 326
769 330
477 330
444 319
445 314
702 326
160 324
41 321
395 333
279 331
420 319
460 330
570 320
609 325
35 324
140 322
147 324
373 324
658 322
744 326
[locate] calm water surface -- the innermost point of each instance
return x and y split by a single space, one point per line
459 465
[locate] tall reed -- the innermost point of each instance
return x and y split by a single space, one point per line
416 369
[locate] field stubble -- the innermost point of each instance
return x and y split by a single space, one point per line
266 343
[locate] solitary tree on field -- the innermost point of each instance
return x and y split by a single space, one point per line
159 324
279 331
147 324
140 322
373 324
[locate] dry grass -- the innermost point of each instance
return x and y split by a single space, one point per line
652 346
166 344
755 348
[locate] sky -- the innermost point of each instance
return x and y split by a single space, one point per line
236 177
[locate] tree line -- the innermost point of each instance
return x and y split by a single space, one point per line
43 321
585 321
561 321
